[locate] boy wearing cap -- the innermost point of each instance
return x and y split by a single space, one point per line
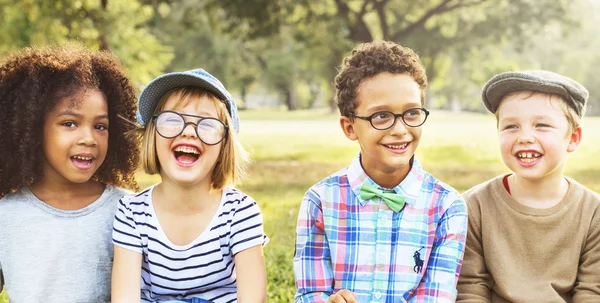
382 229
533 234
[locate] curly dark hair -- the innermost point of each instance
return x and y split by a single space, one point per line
32 81
370 59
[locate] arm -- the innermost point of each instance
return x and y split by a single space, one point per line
251 275
475 282
587 287
312 260
127 270
127 262
246 243
440 277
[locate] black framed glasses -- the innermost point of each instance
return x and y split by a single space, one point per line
383 120
170 124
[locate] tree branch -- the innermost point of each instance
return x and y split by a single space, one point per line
442 7
383 24
359 31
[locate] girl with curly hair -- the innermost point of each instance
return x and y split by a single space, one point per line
64 161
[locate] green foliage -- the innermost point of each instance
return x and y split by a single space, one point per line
119 27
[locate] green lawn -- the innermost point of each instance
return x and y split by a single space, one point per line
294 150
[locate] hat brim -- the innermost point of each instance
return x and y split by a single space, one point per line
494 93
152 93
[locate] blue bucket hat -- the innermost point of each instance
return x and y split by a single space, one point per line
197 78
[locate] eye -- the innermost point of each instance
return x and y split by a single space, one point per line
69 124
412 112
101 127
510 126
542 125
381 116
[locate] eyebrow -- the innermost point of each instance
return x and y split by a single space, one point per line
74 114
386 107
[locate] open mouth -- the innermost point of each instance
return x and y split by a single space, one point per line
83 162
186 155
528 157
397 146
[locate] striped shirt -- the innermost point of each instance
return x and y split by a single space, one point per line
344 242
203 268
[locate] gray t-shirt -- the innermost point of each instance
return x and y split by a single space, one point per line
52 255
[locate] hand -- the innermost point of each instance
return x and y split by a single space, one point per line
342 296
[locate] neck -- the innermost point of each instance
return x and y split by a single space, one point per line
388 178
187 197
67 195
541 193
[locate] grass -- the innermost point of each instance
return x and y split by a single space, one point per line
294 150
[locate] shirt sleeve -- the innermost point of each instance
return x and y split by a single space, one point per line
441 275
125 232
475 282
247 226
312 259
587 287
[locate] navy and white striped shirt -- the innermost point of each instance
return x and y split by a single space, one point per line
203 268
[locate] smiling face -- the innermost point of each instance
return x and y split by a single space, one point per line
385 154
185 159
534 135
76 138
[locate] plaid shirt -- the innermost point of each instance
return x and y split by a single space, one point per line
344 242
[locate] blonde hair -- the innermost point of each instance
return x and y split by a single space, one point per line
571 115
233 159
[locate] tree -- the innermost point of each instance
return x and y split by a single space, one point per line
439 30
116 26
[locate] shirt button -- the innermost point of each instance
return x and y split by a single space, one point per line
377 295
381 258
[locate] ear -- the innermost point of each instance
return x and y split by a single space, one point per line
348 127
575 140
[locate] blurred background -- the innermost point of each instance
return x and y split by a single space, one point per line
279 57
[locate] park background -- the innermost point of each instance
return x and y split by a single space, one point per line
279 58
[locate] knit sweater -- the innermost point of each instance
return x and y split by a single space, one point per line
517 253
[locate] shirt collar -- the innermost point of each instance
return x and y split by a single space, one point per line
409 187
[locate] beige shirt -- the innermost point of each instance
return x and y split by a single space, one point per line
517 253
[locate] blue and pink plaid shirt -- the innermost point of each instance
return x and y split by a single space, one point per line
344 242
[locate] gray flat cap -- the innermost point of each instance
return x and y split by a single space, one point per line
534 80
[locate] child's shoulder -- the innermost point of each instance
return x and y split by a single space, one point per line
337 179
235 197
484 189
12 201
588 197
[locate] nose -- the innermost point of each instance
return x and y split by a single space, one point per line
87 137
189 130
398 127
526 136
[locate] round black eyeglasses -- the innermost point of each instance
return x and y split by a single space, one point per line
170 124
383 120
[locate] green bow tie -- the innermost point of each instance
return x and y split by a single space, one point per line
391 198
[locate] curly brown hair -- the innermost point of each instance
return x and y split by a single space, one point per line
32 82
370 59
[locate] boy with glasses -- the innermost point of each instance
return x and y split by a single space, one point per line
382 229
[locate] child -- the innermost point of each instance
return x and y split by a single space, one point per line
191 238
533 234
383 229
63 157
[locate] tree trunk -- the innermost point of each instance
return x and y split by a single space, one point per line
289 93
455 105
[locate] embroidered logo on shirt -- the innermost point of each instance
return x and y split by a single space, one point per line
418 261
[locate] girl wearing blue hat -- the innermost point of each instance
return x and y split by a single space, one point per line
192 237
